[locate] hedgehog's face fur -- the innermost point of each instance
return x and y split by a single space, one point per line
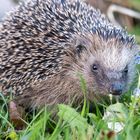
107 66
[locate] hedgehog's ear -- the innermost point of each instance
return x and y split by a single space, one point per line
80 48
81 44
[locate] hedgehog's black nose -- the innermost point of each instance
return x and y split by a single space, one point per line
116 88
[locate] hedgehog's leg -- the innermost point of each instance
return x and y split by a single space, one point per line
16 113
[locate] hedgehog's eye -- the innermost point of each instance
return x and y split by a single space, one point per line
94 67
80 48
125 70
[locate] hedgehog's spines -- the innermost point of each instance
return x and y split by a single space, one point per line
36 34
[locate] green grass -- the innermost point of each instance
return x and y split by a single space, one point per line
135 4
136 31
136 27
72 124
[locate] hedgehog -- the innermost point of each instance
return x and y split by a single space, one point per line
48 46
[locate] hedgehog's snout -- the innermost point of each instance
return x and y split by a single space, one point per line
117 82
116 88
